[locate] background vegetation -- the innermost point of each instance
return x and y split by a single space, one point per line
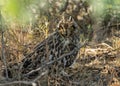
25 23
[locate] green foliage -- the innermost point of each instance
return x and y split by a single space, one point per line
16 10
100 6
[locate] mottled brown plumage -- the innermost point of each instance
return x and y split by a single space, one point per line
62 41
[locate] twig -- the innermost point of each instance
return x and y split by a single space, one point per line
18 82
42 74
51 62
3 46
25 82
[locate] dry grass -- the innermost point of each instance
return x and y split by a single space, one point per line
96 65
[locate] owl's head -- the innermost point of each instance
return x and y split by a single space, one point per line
67 26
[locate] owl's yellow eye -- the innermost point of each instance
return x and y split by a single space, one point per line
66 27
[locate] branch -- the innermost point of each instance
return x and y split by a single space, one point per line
19 82
40 76
51 62
3 46
25 82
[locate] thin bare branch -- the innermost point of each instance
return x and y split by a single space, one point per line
18 82
51 62
3 46
40 76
